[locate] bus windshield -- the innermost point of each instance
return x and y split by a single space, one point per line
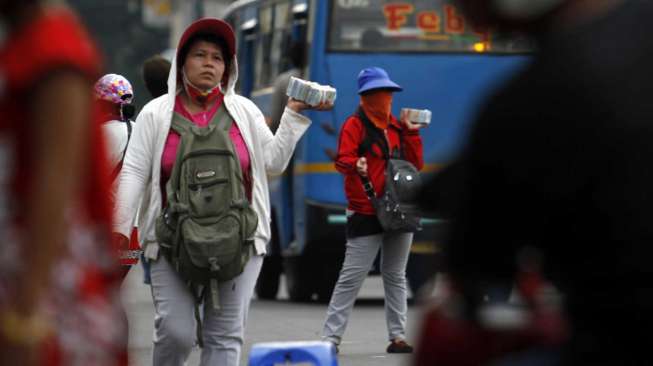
412 26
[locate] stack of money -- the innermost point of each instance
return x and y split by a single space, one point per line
310 92
422 116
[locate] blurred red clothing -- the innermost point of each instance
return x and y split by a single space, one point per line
82 300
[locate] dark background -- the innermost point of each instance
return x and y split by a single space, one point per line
124 41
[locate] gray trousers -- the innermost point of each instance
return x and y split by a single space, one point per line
359 258
174 320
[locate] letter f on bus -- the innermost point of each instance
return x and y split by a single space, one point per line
395 14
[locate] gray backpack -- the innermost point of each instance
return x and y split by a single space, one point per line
207 227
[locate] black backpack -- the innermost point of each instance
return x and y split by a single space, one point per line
396 209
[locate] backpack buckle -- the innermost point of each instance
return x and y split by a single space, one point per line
213 264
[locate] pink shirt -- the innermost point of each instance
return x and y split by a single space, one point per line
202 119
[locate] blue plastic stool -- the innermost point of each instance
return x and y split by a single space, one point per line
292 353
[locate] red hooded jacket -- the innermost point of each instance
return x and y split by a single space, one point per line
351 136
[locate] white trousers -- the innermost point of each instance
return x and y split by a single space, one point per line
174 321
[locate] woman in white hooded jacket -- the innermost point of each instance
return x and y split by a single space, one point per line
208 72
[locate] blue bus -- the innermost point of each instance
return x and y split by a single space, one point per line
444 65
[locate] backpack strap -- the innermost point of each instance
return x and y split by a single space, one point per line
222 119
372 135
129 130
368 188
118 167
180 124
399 153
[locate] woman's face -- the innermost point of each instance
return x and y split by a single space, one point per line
204 64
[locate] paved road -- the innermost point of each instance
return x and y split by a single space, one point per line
364 342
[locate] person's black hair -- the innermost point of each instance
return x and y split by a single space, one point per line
127 111
206 37
155 75
13 11
372 91
109 110
372 39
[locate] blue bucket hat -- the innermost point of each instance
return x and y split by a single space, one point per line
375 78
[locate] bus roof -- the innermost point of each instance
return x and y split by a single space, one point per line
298 6
235 6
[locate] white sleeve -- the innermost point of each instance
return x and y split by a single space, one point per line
278 148
115 135
136 172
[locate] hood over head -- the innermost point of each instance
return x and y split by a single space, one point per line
214 26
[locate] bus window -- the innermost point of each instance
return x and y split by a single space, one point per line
245 25
234 21
412 26
279 37
262 70
273 32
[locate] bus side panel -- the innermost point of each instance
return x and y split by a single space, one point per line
451 86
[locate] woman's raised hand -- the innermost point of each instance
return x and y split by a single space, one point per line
410 125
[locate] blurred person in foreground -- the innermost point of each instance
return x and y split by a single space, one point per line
559 160
59 282
155 75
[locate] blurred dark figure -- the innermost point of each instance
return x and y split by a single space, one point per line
297 55
59 282
560 160
155 75
372 39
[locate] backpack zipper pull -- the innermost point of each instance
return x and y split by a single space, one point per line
215 294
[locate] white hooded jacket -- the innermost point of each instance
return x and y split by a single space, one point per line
141 172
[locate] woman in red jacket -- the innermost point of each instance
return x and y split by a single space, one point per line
358 156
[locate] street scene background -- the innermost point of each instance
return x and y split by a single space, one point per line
271 321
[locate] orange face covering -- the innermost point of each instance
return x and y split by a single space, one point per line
377 107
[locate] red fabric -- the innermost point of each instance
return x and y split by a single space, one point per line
377 106
79 302
27 57
454 342
203 97
351 136
447 339
212 26
131 256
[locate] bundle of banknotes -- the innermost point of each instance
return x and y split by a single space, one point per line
310 92
422 116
